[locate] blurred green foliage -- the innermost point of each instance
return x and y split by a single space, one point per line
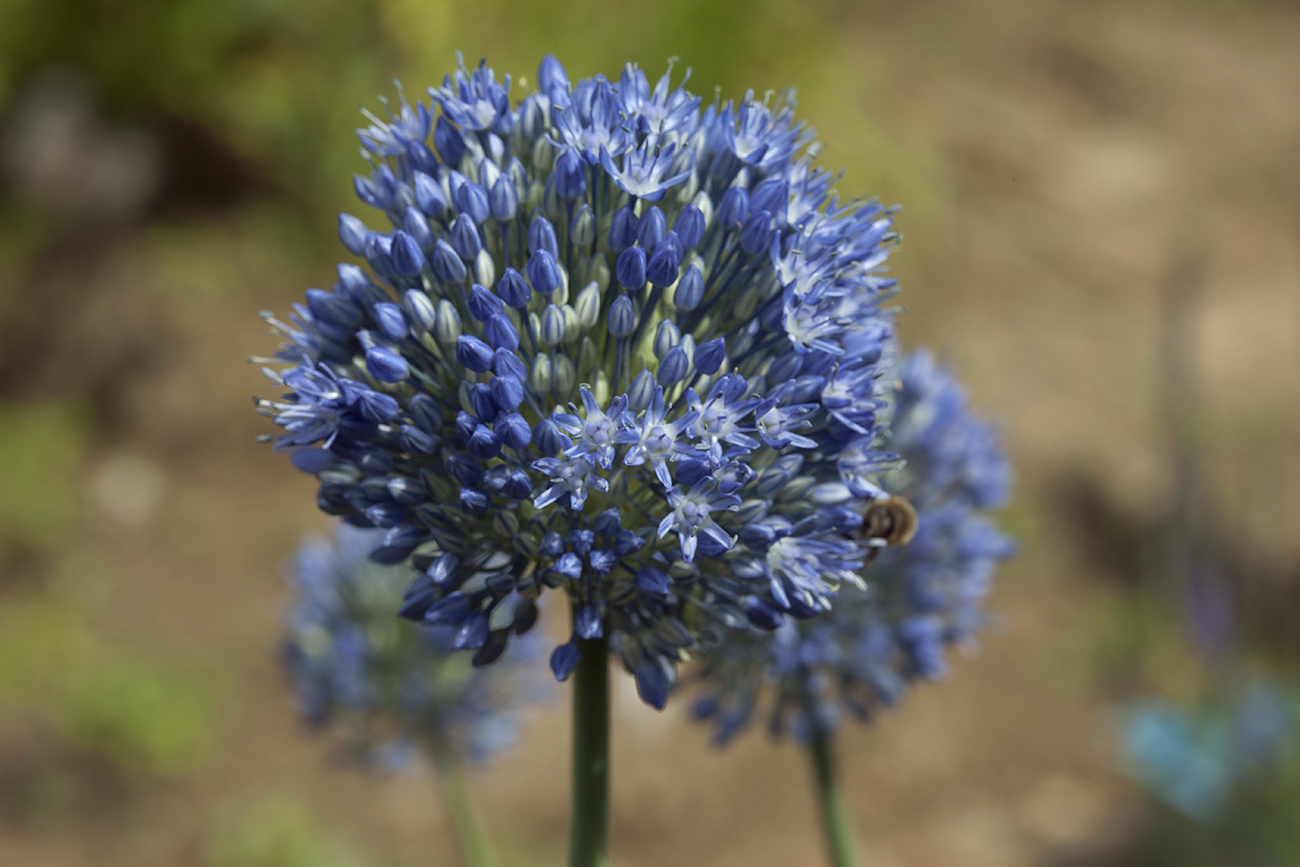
40 445
277 834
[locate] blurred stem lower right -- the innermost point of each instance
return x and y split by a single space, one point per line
830 801
589 821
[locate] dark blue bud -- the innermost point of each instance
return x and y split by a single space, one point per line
504 361
641 392
662 268
587 622
691 471
447 264
313 460
651 684
630 268
543 272
377 406
367 192
519 486
690 290
379 253
333 308
420 157
386 365
733 209
549 439
602 560
464 237
429 195
425 414
513 429
710 355
482 303
449 610
464 468
690 226
773 196
408 258
653 581
609 522
570 175
513 290
652 227
417 226
582 541
501 332
552 80
415 441
495 478
484 444
480 397
473 632
508 393
761 614
354 282
473 353
465 424
504 199
756 233
674 367
568 565
552 544
628 542
405 490
564 659
622 316
353 233
472 200
446 138
541 236
622 231
391 320
443 569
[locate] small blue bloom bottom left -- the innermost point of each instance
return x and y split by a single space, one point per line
387 688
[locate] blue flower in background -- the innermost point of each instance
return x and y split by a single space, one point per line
386 686
599 332
918 599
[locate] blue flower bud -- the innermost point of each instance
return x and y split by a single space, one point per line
662 268
472 199
512 427
504 361
465 424
710 355
569 565
541 236
549 439
564 659
651 683
333 308
353 233
690 290
630 268
454 607
415 441
513 290
674 367
602 560
377 406
483 304
408 258
386 365
429 195
501 332
587 305
366 191
462 467
504 199
425 413
543 272
773 196
484 444
390 319
756 233
553 81
420 157
447 264
582 541
653 581
623 230
608 522
641 392
690 226
446 325
480 398
552 325
582 231
446 138
628 542
464 237
473 353
587 622
570 175
622 317
667 335
354 282
417 226
519 486
761 614
473 502
652 227
379 254
733 209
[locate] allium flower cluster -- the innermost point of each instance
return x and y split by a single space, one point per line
917 599
386 686
597 333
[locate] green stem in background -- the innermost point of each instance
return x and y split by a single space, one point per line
834 812
475 845
589 821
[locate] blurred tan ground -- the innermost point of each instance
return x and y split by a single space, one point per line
1059 152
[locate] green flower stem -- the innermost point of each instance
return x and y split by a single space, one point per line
835 815
475 845
589 822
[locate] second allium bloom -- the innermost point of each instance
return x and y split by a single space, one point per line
605 329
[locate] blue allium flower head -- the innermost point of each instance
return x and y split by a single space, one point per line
918 598
384 684
673 302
